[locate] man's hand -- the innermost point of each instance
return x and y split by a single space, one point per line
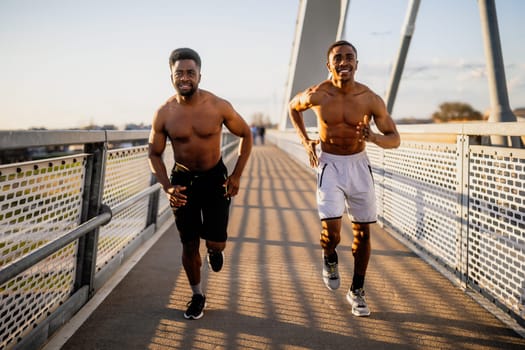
364 132
310 145
176 197
231 186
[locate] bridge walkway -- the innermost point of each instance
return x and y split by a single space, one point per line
270 295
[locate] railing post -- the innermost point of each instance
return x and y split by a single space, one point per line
153 205
381 183
462 249
91 206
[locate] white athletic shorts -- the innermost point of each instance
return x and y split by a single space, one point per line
346 182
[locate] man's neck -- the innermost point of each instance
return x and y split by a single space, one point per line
187 100
345 86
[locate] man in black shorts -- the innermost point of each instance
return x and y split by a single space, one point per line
205 214
199 189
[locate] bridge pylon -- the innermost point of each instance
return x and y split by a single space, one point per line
319 23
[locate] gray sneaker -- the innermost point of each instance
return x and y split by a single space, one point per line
331 273
357 300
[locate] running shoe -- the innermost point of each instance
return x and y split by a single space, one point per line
330 271
215 260
357 300
195 307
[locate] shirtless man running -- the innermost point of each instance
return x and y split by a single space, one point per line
199 188
344 108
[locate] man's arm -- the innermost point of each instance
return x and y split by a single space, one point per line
156 146
301 102
237 126
389 137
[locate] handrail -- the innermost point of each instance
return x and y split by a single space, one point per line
472 128
16 139
228 146
52 247
48 249
135 198
26 139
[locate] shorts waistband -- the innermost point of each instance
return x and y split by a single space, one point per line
342 158
183 169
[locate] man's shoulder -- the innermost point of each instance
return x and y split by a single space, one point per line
364 91
369 98
321 87
211 99
167 105
318 91
210 96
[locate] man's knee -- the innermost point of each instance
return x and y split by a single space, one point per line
361 235
361 231
329 240
190 248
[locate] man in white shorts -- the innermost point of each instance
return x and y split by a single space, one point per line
346 182
344 108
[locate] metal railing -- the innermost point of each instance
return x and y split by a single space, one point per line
67 223
460 201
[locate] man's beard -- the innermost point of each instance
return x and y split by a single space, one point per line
186 93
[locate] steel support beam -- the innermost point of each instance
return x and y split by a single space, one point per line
499 100
319 24
397 70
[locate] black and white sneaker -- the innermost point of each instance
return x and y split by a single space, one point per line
215 260
357 300
331 272
195 307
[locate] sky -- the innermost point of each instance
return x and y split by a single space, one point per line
70 63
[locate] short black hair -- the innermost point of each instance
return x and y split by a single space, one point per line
340 43
184 53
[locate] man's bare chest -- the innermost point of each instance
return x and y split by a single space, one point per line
186 126
343 110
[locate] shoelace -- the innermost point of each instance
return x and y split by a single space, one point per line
332 270
360 297
193 302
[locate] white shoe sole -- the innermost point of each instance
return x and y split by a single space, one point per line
191 317
356 311
332 284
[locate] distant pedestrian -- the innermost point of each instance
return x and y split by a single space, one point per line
254 131
199 188
261 130
344 108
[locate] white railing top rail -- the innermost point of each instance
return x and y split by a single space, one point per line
473 128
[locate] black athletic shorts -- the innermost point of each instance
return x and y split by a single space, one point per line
207 209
